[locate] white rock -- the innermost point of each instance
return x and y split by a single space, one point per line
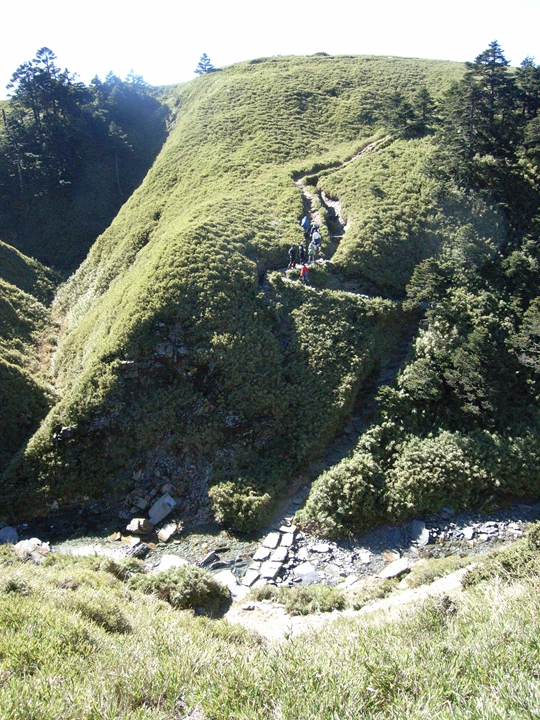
271 540
170 561
304 569
288 529
167 532
250 577
396 568
161 508
31 548
279 554
303 554
468 533
320 548
364 556
262 554
287 540
270 569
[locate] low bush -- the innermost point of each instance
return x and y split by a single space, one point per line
185 588
239 508
303 600
516 562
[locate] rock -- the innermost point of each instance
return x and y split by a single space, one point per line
468 533
279 555
304 569
261 582
364 556
248 606
391 555
287 540
139 550
349 581
446 513
303 554
320 548
141 503
419 533
209 558
270 569
311 578
250 577
483 537
262 554
167 532
333 570
170 561
161 508
395 568
8 535
140 526
287 528
32 549
130 540
271 540
114 537
219 564
225 577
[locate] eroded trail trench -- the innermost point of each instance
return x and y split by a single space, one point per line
316 199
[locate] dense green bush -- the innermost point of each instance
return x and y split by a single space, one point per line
186 588
239 507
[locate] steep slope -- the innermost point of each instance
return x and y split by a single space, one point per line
172 357
26 291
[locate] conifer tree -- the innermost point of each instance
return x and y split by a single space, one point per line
204 65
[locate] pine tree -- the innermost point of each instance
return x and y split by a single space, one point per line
204 66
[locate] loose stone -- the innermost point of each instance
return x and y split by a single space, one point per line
271 540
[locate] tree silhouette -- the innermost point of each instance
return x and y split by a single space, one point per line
204 66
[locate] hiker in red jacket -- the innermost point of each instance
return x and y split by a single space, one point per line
304 272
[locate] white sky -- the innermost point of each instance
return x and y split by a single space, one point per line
163 41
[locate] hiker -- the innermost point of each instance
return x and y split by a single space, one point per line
292 258
314 229
312 251
305 225
301 254
304 273
316 238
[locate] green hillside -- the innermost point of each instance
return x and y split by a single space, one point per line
182 353
171 352
26 291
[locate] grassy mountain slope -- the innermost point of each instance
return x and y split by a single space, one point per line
172 355
68 625
26 291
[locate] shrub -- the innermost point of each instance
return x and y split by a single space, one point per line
240 508
432 472
186 587
102 610
347 496
516 562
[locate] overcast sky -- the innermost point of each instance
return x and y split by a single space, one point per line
162 41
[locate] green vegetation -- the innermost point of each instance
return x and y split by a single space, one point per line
169 347
26 288
70 155
79 643
181 350
186 587
460 427
303 600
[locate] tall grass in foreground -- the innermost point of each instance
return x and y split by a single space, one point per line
76 643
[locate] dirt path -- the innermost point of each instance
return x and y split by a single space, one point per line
336 224
272 622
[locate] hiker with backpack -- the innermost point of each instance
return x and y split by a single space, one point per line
304 272
292 257
301 254
305 225
312 251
